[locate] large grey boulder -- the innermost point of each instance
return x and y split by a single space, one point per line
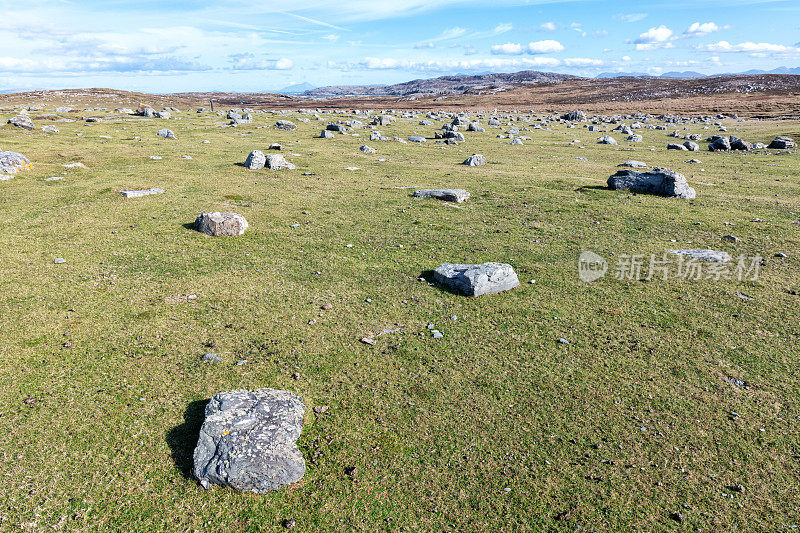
475 160
326 134
475 280
167 134
607 139
22 121
417 139
719 144
383 120
278 162
692 146
782 143
634 138
704 255
739 144
675 146
660 181
285 125
255 160
248 441
448 195
221 224
574 116
13 162
367 149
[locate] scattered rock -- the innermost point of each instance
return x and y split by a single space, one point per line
167 134
277 162
139 194
633 164
256 160
22 121
221 224
704 255
448 195
13 162
248 441
660 181
475 160
475 280
782 143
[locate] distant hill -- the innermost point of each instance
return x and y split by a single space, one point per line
689 74
297 88
447 85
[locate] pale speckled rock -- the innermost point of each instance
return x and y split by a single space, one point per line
286 125
248 441
140 193
277 162
660 181
221 224
633 164
704 255
475 160
13 162
167 134
448 195
255 160
476 280
22 121
49 129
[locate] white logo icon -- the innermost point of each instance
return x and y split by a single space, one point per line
591 266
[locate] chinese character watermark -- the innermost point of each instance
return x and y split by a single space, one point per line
592 266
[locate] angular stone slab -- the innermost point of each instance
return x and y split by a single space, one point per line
221 224
277 162
704 255
448 195
476 280
248 441
139 194
660 181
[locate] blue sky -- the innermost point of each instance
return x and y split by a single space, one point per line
244 45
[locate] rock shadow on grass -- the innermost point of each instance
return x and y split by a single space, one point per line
182 439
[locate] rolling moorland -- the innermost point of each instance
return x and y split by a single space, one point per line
627 403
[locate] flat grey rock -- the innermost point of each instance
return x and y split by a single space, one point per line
607 139
248 441
139 194
221 224
22 121
448 195
476 280
704 255
633 164
417 139
167 134
660 181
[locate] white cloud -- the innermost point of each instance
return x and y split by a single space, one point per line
626 58
654 38
424 45
503 28
600 33
331 37
545 47
699 30
583 62
751 48
249 61
632 17
548 26
507 49
389 63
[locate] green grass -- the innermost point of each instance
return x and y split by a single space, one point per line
437 429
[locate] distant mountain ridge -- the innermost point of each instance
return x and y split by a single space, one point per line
446 85
490 83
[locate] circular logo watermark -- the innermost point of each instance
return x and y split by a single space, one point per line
591 266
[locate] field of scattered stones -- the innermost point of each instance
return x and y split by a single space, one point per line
239 320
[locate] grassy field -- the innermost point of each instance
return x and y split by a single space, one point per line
495 427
